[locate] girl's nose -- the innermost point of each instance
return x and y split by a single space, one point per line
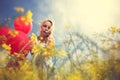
46 28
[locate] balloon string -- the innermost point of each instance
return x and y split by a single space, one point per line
24 47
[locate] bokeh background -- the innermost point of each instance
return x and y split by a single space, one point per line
87 17
87 36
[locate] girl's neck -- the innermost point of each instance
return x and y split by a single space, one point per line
43 39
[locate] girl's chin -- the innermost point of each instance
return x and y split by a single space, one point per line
46 35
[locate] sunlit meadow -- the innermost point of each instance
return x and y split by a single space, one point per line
78 57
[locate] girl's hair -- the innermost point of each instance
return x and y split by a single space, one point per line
51 38
52 28
48 21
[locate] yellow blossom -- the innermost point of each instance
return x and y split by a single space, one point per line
67 26
33 38
19 9
46 54
41 38
26 23
61 53
73 76
113 29
23 18
7 47
48 51
3 38
36 49
13 33
28 16
102 40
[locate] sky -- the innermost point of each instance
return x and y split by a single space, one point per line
84 16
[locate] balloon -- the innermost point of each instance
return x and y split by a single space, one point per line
19 41
21 23
4 31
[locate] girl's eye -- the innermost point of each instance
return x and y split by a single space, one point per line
44 25
48 27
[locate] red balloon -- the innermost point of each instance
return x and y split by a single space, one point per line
4 31
20 42
22 24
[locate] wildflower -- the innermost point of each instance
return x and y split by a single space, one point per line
23 18
73 76
26 23
102 40
28 16
33 38
13 33
7 47
113 29
67 26
3 39
41 38
36 49
61 53
19 9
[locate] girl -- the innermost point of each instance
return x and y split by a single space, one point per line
43 62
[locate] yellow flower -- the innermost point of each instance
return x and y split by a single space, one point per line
19 9
48 51
3 38
67 26
41 38
33 38
45 54
73 76
102 40
50 46
7 47
23 18
13 33
113 29
26 23
61 53
56 77
28 16
36 49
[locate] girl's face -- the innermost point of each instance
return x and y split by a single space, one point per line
46 29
